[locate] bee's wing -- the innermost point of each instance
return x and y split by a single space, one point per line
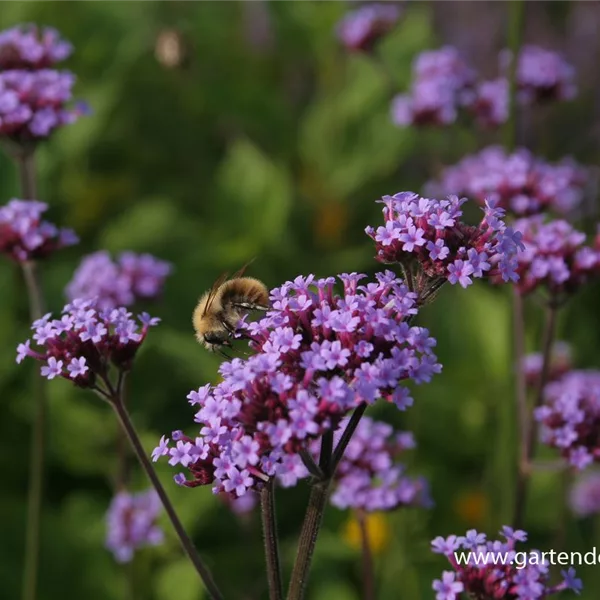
241 272
213 291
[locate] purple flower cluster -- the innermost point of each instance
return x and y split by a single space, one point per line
560 363
368 476
84 342
518 182
360 29
585 495
570 417
131 523
444 83
489 570
25 236
555 257
542 75
132 277
429 234
441 78
318 355
34 103
32 47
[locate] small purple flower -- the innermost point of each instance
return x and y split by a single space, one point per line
25 236
131 523
571 581
447 588
32 47
361 28
584 497
86 341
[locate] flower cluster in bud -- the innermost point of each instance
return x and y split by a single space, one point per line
318 355
361 28
369 476
429 234
585 495
35 103
82 345
518 182
132 277
441 80
32 47
444 85
570 417
131 523
25 236
560 363
555 258
488 570
542 75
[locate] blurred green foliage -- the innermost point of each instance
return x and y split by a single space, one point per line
268 141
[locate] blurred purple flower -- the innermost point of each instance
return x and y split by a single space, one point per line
488 570
35 103
82 345
361 28
555 257
430 235
542 75
129 279
131 523
31 47
570 417
369 476
309 371
585 495
442 80
518 182
25 236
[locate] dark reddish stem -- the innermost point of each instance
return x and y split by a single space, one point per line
271 541
368 571
186 542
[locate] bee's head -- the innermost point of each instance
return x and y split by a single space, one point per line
214 340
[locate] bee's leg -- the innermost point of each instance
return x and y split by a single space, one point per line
250 306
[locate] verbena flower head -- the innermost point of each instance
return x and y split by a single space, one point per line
560 363
555 259
488 102
318 355
32 47
441 82
519 182
370 478
361 28
542 75
490 570
427 236
130 278
584 498
24 235
85 343
131 523
570 417
35 103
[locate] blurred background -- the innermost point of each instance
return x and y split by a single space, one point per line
223 131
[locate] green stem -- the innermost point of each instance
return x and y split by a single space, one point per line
26 168
308 539
186 542
515 35
528 442
269 525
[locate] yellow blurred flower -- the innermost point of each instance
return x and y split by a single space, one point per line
472 507
378 532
